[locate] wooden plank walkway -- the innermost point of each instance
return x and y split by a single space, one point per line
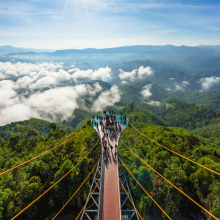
111 197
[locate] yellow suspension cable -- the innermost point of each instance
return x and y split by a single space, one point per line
177 153
54 184
131 200
87 200
126 204
76 190
145 190
40 154
92 204
170 182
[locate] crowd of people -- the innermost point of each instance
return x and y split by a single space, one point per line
110 127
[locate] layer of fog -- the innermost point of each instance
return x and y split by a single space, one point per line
44 94
146 93
208 82
135 74
36 76
54 105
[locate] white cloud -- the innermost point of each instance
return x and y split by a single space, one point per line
127 75
44 82
24 82
124 82
185 83
6 93
22 69
135 74
208 82
2 76
154 103
144 72
171 78
146 91
181 86
62 76
53 105
82 73
101 73
107 98
178 86
157 103
48 74
73 70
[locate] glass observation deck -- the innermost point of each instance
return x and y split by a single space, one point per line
122 120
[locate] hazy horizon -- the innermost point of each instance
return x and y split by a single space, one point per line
109 47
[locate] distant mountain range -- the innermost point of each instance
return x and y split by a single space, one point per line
191 59
7 49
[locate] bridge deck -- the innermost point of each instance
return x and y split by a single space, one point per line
111 197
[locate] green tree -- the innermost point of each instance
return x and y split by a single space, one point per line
52 126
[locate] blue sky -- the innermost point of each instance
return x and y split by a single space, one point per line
62 24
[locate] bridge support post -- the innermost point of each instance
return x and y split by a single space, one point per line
87 211
125 194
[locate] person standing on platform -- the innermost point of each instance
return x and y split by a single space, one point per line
111 147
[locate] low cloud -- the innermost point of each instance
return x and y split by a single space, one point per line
107 98
59 101
144 72
139 73
208 82
53 105
157 103
36 76
185 83
127 75
103 74
181 86
21 69
124 82
146 93
153 103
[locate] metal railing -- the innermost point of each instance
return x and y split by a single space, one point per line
101 190
124 128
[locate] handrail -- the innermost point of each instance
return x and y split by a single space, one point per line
124 128
101 189
101 183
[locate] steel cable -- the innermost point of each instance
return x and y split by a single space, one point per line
131 200
145 190
76 190
40 154
54 184
87 200
176 153
170 182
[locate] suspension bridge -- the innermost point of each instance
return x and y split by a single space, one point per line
109 197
